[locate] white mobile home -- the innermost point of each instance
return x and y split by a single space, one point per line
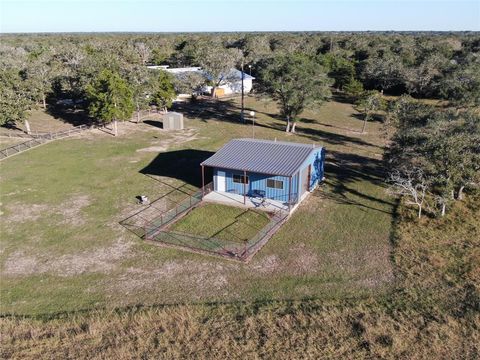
231 82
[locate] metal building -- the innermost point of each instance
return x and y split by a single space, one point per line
282 172
173 121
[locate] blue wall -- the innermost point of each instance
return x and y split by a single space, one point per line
317 161
259 182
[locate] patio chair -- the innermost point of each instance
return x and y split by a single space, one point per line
261 196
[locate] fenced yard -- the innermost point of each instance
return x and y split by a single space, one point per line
221 230
213 229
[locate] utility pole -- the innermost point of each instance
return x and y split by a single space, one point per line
242 114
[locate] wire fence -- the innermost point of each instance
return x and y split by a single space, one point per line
140 115
152 224
163 211
231 248
167 217
38 138
18 148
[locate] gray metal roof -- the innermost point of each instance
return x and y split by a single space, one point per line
261 156
229 76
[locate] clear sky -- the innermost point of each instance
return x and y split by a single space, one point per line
236 15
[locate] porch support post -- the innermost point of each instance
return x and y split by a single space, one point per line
289 193
244 187
203 182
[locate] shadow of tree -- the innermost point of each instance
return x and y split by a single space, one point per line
314 121
331 138
209 109
357 167
342 98
373 118
275 116
304 120
308 121
343 169
73 116
11 126
319 135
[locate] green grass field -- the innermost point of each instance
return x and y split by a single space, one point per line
222 222
63 249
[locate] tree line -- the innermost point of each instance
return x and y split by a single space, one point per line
36 69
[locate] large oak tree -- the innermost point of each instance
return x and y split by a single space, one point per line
295 81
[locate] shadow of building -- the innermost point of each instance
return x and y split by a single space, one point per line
183 165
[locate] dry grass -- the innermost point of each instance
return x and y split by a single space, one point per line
307 330
6 142
42 121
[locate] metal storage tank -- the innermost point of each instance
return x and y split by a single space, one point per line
173 121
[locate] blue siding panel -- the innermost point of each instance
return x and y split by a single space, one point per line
258 182
317 161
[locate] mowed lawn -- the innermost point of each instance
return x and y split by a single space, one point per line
222 222
63 249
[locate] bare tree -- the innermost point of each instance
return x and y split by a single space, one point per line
411 184
442 201
143 52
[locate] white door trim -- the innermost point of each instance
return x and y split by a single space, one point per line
221 181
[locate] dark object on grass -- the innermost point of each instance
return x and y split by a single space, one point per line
142 199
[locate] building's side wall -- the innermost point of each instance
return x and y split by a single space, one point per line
234 87
258 182
317 161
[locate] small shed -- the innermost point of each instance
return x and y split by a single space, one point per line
282 172
173 121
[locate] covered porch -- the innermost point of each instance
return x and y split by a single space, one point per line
246 201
